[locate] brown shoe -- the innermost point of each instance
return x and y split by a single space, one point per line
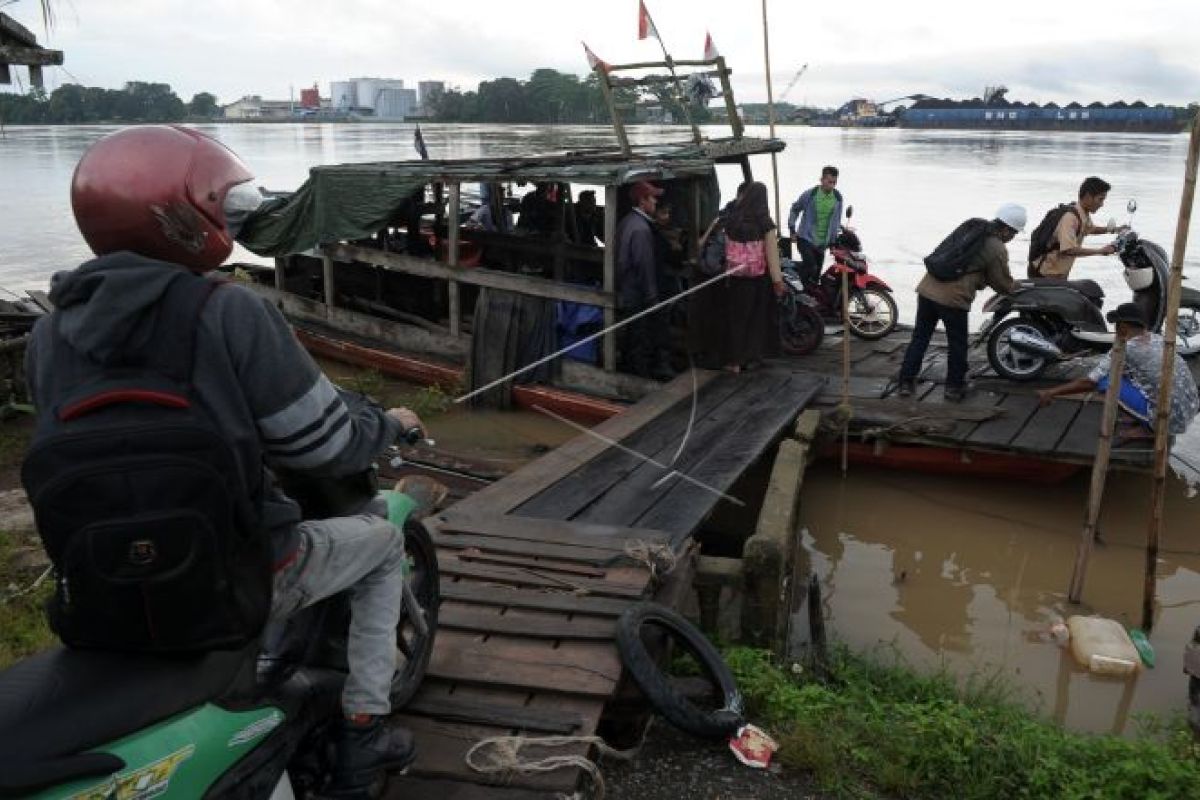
427 493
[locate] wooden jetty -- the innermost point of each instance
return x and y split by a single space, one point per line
537 567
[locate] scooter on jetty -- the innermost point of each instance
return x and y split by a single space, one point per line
251 723
872 309
1049 320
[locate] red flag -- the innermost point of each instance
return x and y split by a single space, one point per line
645 24
710 49
594 61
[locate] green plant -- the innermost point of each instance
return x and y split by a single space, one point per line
882 728
25 630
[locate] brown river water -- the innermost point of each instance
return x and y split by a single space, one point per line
969 574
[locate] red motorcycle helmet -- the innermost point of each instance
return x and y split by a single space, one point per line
157 190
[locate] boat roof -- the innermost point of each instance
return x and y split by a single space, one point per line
343 202
603 166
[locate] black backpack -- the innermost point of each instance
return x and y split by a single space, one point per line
712 256
1042 240
950 259
153 529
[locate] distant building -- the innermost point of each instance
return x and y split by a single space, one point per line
252 106
396 103
362 95
427 92
310 98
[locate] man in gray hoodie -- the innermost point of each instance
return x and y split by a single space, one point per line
159 205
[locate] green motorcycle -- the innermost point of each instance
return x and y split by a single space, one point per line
254 724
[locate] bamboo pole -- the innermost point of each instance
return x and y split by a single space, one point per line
452 290
1163 412
1099 470
771 110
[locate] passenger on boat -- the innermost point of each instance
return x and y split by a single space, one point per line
950 301
637 285
589 219
539 210
1141 379
815 220
1066 244
747 325
160 206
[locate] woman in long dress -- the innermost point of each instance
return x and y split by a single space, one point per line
746 327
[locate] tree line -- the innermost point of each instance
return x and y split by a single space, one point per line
137 101
549 96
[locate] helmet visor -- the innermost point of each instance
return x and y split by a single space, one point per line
240 202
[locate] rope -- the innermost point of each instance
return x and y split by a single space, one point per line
30 588
501 755
658 558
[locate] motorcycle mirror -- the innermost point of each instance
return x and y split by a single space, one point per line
1131 206
849 212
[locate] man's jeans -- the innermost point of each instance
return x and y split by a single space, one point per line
366 555
955 320
812 258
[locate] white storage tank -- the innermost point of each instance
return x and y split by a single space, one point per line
342 95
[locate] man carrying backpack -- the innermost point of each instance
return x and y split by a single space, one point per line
1058 239
815 220
950 301
139 334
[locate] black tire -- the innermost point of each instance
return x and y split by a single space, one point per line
873 313
801 328
666 699
1010 363
412 649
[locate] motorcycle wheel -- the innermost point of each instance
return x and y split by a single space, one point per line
801 328
1009 362
1187 332
873 313
413 648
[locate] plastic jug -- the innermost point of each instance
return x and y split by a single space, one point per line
1103 646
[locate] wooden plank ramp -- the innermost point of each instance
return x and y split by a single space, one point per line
537 567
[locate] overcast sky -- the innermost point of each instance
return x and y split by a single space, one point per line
1043 51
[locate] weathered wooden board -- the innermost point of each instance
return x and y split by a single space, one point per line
1000 431
532 529
1083 437
512 597
1046 427
488 619
586 668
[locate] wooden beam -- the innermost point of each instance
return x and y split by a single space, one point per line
493 279
618 126
29 56
735 121
280 273
329 282
452 260
610 273
712 62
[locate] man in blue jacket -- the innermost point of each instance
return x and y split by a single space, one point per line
814 221
644 340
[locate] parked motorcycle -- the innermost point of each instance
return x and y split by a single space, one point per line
801 327
251 724
1049 320
872 309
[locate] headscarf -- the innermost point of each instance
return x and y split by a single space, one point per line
749 219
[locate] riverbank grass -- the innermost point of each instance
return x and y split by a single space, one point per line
874 730
25 630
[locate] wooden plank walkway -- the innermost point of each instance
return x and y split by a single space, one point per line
536 567
1000 417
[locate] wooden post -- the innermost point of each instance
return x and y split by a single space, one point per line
697 225
1163 412
327 275
618 126
845 369
735 122
1099 470
280 273
452 261
610 272
771 119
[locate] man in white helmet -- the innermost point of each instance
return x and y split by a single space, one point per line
950 301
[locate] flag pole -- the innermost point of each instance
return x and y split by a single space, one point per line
671 66
771 110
